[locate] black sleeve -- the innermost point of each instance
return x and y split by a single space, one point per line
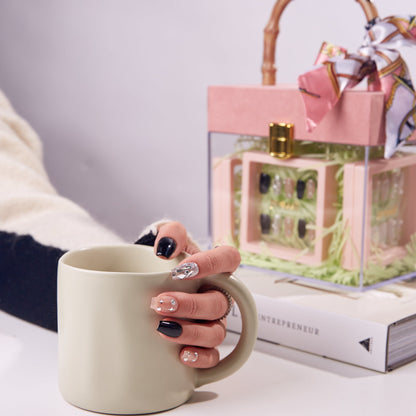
28 282
28 279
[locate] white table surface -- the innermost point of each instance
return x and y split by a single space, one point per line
274 381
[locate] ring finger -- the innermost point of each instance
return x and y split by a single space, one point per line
206 335
210 305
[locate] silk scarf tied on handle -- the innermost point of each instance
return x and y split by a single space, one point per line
377 59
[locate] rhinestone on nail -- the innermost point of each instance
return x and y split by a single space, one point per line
185 271
173 304
289 186
189 356
310 189
277 223
277 185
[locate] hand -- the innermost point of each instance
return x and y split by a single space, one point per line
201 339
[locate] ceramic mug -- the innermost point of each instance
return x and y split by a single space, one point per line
111 358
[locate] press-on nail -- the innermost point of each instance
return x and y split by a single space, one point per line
310 188
265 223
264 184
166 247
277 224
190 356
300 188
288 224
301 228
185 271
164 304
277 185
170 329
289 186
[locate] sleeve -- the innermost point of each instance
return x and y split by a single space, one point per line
28 277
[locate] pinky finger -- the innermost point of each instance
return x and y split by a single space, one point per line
200 357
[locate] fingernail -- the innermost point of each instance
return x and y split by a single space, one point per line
170 329
265 223
277 224
300 188
164 304
310 188
289 186
190 356
264 183
301 228
288 224
166 247
185 271
277 185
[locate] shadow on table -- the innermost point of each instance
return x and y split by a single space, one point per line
202 396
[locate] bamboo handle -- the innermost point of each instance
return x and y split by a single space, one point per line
272 30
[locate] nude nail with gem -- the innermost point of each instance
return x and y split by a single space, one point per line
164 304
289 186
277 185
190 356
310 188
288 225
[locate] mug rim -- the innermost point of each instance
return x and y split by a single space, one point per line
63 260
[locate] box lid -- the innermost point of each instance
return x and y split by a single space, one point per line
357 119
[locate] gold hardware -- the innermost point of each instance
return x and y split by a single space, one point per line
281 140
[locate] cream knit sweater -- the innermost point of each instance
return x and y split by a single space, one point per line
37 225
29 204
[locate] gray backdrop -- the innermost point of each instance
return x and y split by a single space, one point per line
117 89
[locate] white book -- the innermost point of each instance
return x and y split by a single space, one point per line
374 329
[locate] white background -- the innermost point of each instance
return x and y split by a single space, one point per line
117 89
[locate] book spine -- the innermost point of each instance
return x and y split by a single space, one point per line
351 340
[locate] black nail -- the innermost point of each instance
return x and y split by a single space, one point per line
166 247
147 240
170 328
265 223
264 184
300 188
301 228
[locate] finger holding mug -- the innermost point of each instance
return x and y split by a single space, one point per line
172 239
209 306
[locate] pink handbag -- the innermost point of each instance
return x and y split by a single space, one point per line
307 192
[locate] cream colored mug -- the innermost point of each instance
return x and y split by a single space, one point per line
111 358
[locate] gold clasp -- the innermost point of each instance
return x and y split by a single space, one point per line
281 140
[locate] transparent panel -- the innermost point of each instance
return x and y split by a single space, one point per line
332 214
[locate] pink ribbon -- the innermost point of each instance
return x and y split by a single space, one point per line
377 59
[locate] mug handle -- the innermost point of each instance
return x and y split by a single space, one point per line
232 362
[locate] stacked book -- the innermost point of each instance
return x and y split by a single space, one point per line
374 329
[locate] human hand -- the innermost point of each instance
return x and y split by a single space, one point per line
178 308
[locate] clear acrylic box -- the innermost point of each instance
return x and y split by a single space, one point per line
334 213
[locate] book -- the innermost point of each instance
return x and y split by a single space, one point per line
375 329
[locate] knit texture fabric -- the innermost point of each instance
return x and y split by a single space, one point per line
37 225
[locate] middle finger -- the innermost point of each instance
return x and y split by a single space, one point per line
210 305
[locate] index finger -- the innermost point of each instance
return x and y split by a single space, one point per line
223 259
172 239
